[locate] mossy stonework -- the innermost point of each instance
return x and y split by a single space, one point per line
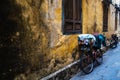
32 42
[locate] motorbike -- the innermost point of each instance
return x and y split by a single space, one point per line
113 41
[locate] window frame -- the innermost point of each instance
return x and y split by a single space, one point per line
116 18
72 22
105 15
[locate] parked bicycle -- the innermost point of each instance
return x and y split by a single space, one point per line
113 41
90 55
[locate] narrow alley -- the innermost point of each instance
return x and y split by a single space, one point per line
108 70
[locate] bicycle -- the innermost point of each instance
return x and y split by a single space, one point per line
113 41
89 57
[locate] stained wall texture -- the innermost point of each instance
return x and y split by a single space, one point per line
23 37
92 16
111 21
32 44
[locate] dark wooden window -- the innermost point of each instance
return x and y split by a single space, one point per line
72 16
119 18
105 15
116 15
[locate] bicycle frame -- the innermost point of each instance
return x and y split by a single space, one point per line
90 54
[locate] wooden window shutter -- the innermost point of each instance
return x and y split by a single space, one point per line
119 18
105 16
72 16
116 15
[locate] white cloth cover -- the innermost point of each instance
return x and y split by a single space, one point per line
86 36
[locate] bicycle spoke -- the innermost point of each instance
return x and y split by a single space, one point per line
86 64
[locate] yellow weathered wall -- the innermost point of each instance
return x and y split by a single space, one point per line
62 46
118 31
111 21
53 49
92 16
43 47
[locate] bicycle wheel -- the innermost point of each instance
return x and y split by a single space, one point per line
86 63
99 57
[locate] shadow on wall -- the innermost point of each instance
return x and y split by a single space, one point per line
19 52
10 63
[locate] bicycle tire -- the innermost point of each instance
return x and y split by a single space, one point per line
86 65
